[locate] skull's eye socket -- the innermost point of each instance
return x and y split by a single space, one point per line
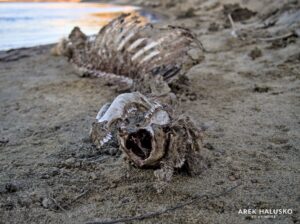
140 143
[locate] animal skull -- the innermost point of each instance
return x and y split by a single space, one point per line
148 135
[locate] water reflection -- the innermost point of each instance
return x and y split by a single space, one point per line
30 24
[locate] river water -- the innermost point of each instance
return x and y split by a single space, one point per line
31 24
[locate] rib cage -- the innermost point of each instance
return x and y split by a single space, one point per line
130 47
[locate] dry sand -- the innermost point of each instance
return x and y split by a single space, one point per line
246 91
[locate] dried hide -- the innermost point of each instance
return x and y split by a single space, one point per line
149 136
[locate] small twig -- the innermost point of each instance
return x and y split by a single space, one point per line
170 209
77 197
57 204
200 45
289 34
70 203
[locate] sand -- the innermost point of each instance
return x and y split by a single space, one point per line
246 92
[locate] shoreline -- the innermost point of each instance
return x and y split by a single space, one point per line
246 91
87 25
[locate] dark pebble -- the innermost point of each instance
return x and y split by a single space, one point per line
209 146
11 187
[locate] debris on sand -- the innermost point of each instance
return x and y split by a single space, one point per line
261 89
255 53
11 187
237 12
213 27
187 14
3 141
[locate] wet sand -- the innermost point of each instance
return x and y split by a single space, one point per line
246 92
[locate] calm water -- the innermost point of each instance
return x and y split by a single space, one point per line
30 24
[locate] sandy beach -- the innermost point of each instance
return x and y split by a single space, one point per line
246 91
